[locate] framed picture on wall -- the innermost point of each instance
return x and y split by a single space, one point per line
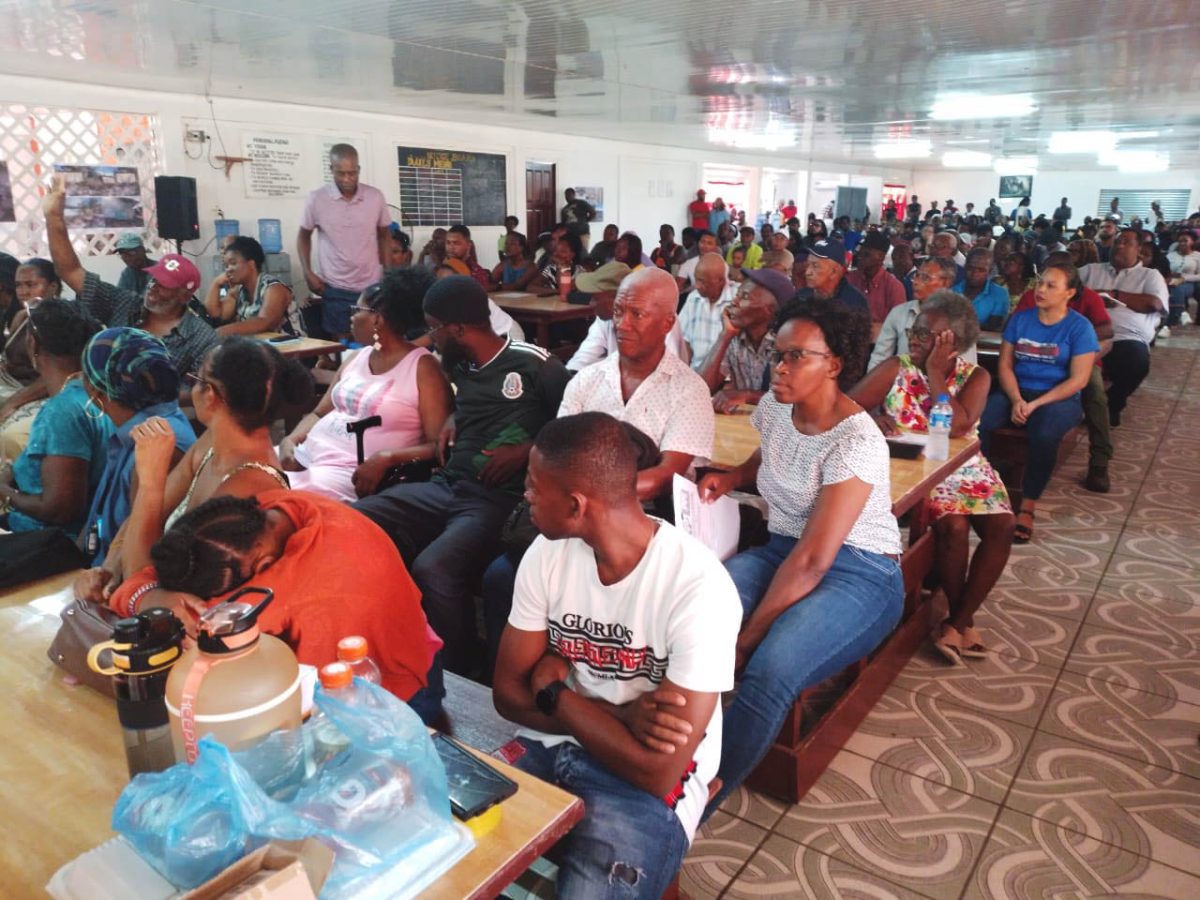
1016 186
594 196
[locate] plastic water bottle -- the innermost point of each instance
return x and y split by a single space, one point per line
327 740
353 651
564 283
940 419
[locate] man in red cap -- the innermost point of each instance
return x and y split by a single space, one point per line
163 311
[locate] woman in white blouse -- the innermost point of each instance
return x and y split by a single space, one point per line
826 589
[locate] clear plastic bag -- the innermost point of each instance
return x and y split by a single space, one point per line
379 803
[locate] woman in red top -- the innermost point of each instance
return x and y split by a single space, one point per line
334 573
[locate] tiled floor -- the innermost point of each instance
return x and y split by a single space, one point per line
1067 764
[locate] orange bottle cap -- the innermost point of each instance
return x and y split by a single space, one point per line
336 675
352 648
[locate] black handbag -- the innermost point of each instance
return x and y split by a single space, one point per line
32 555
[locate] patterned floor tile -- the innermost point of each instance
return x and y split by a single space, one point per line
1136 806
754 807
1154 602
942 741
720 849
1046 565
918 833
1027 857
1070 507
1004 686
782 868
1056 601
1143 726
1165 663
1027 633
1171 489
1169 535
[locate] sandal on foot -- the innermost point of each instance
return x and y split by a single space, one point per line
1023 533
973 646
949 644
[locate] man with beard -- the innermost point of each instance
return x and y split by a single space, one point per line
163 311
448 529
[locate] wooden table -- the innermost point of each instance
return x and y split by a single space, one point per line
803 749
301 347
541 312
912 479
63 765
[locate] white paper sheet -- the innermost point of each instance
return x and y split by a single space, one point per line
716 525
908 437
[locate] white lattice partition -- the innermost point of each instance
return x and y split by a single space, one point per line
34 139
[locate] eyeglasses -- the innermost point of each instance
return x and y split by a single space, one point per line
917 334
195 378
925 276
358 307
792 357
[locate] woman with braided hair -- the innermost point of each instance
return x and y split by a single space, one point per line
334 573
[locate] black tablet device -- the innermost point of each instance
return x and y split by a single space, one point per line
475 787
904 450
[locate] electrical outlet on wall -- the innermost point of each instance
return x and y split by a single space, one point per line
194 136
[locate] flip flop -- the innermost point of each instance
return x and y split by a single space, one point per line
949 644
1022 533
973 646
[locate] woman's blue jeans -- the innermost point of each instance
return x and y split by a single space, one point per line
849 614
1045 430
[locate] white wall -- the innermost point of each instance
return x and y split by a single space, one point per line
644 185
1082 189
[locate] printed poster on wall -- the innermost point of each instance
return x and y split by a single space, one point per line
7 210
102 196
277 166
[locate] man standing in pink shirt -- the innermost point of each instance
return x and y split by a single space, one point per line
353 220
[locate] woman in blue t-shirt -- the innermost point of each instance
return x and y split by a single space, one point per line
51 483
1046 359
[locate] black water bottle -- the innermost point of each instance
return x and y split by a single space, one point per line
143 650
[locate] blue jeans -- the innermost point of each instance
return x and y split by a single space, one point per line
427 702
447 534
499 581
1179 296
1045 430
847 615
630 843
336 308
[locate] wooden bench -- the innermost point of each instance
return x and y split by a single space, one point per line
1010 449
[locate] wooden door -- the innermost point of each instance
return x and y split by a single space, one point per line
541 211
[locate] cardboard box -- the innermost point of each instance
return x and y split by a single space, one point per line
282 870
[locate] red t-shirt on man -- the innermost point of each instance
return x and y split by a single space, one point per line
700 210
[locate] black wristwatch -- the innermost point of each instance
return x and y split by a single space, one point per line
547 698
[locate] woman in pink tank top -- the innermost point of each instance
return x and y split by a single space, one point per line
390 378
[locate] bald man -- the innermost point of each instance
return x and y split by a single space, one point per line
701 314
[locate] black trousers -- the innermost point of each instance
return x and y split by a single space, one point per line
1126 366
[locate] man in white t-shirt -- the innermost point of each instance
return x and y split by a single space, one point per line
1139 301
620 622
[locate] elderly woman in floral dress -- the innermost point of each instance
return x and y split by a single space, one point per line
904 389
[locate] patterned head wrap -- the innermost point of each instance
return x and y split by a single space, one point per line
131 367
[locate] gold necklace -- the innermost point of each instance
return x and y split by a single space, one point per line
67 381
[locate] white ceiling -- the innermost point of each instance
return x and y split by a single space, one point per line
820 79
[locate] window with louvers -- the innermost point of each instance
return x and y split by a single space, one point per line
1175 203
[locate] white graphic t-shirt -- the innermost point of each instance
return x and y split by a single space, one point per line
676 616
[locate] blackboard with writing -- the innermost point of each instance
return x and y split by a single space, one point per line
442 187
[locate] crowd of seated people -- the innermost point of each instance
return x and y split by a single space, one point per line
612 627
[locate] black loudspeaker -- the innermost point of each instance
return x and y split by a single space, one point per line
175 197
